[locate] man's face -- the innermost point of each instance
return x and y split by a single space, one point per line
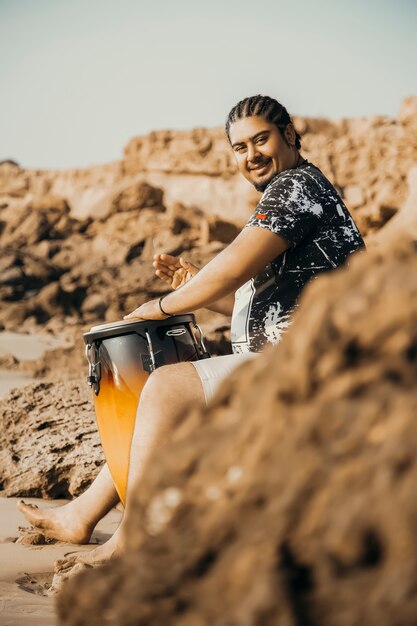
261 151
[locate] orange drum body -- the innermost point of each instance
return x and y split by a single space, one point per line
121 356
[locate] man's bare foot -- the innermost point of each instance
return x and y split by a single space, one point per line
60 523
97 556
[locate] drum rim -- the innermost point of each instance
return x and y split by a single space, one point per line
130 327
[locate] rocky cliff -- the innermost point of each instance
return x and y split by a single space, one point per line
76 246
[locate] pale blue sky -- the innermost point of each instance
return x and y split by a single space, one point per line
79 78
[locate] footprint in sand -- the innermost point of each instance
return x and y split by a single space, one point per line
39 584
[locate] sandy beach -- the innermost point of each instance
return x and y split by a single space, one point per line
23 347
26 571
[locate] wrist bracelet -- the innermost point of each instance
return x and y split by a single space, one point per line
160 306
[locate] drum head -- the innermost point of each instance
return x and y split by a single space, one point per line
122 327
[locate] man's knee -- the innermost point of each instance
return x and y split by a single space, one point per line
179 380
174 372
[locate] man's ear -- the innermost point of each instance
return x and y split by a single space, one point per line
290 134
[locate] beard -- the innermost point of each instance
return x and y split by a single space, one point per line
264 181
261 186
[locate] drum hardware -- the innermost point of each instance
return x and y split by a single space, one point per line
176 332
94 368
151 352
205 354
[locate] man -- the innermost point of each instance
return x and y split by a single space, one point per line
300 228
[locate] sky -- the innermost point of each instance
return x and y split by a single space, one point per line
79 79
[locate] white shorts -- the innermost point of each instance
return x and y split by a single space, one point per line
213 371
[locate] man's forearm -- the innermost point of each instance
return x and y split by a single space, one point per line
223 305
243 259
247 255
213 287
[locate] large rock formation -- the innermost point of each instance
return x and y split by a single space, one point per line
59 271
367 158
49 444
289 501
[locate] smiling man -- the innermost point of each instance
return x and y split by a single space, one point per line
299 229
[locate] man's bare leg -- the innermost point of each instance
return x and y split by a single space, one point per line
75 521
169 392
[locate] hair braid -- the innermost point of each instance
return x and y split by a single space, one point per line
264 106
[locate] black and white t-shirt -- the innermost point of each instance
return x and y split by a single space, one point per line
302 206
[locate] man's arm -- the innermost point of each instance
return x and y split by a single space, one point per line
245 257
223 305
177 271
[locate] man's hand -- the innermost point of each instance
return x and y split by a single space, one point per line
173 270
176 271
148 311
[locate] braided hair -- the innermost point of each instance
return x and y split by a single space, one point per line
264 106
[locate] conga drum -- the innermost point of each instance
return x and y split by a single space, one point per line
121 355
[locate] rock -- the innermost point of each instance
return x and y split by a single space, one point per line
165 241
54 206
71 251
48 299
220 230
49 444
94 306
408 113
404 224
198 151
140 195
22 276
9 162
9 362
33 537
290 500
36 220
353 196
93 203
124 195
13 315
12 179
67 362
46 249
122 237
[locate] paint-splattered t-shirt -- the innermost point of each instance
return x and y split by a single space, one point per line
302 206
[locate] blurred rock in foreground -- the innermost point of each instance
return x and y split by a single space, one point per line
291 500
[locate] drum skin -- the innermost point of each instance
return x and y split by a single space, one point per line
124 360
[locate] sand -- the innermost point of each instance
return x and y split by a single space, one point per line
26 346
22 347
26 571
10 380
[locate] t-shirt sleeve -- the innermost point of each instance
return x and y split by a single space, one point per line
289 208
